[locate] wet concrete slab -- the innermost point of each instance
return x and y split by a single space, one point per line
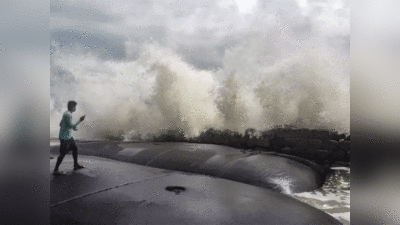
99 174
113 192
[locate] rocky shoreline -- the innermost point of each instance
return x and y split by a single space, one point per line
316 145
325 147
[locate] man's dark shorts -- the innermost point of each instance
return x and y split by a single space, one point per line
67 145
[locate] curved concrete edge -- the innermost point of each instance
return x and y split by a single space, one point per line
113 192
320 171
200 159
284 175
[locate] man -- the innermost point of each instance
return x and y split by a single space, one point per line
67 142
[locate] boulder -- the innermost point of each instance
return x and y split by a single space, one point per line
330 145
323 154
261 149
263 142
344 145
339 155
314 143
320 134
278 142
288 133
337 137
287 150
252 142
298 143
307 153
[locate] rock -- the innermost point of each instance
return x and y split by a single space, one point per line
295 133
314 143
339 155
287 150
278 142
330 145
261 149
320 134
344 145
340 164
323 154
264 142
306 153
337 137
297 143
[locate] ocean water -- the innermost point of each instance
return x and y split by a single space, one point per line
333 197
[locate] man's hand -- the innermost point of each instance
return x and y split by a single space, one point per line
75 129
82 118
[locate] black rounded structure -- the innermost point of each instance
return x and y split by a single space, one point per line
278 172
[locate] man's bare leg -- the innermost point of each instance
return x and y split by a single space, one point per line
76 164
58 163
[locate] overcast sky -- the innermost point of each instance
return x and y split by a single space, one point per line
202 30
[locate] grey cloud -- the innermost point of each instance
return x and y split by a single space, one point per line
110 46
148 23
84 12
281 7
179 8
187 7
214 29
143 34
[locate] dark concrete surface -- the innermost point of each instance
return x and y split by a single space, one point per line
114 192
268 171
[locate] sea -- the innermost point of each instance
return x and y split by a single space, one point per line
333 197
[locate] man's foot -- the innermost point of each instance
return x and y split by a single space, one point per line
59 173
77 167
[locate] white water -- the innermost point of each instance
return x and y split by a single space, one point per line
159 91
333 197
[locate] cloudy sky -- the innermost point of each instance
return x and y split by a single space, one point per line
202 30
289 60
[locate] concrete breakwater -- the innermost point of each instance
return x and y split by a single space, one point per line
268 171
115 192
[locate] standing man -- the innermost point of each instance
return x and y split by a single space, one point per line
67 142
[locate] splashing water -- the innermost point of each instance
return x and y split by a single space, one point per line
283 183
160 91
333 197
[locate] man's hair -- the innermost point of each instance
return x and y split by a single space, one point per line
71 104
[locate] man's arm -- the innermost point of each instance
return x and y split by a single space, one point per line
68 122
